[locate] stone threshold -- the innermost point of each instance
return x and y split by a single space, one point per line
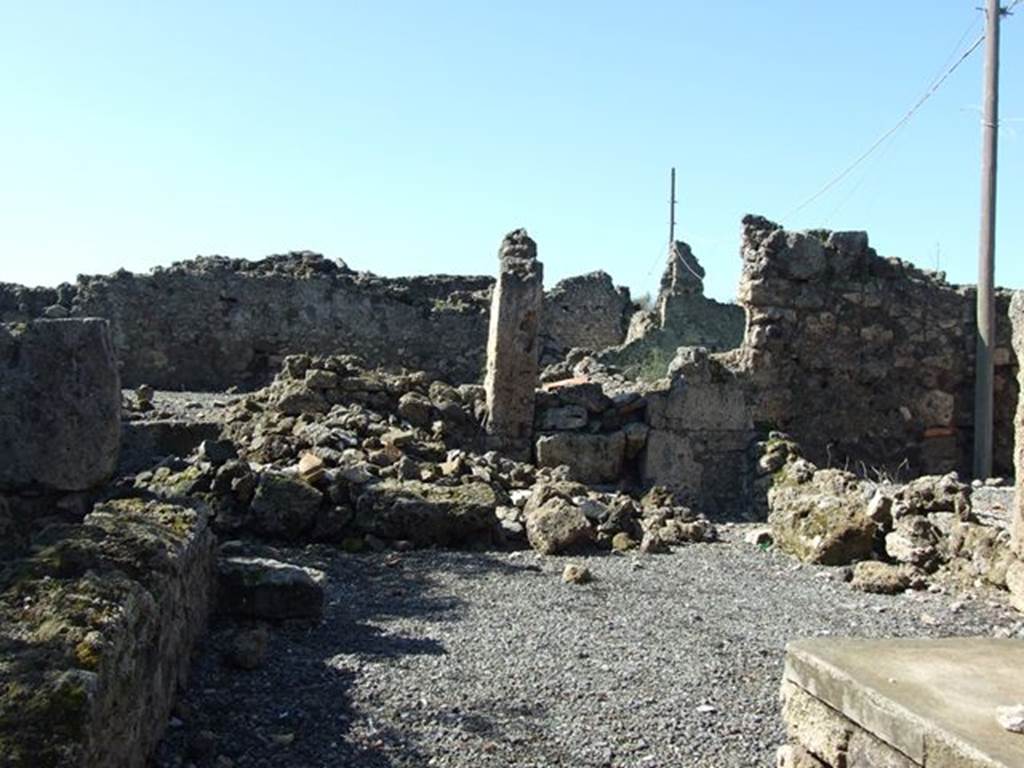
932 701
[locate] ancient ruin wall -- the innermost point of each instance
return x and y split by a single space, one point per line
683 317
213 322
587 311
866 361
97 627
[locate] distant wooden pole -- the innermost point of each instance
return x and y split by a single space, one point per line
672 214
984 367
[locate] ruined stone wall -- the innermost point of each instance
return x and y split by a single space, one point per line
213 322
863 358
97 627
683 317
701 434
587 311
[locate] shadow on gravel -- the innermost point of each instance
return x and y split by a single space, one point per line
297 709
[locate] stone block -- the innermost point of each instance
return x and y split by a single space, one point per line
814 725
263 588
590 458
899 692
60 405
427 514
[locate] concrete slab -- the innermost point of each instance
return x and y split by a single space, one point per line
933 700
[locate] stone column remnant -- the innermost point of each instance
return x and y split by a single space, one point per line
512 350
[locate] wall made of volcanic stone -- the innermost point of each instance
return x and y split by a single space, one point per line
866 361
587 311
213 322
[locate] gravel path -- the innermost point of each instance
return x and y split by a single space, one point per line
188 406
487 659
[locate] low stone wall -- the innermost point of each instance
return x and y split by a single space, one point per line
96 631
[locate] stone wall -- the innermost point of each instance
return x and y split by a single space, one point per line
97 627
587 311
866 361
701 434
213 322
682 317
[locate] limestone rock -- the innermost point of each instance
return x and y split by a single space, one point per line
557 526
759 537
427 514
311 467
623 542
60 405
914 540
883 578
573 573
263 588
284 506
796 756
822 520
814 725
653 544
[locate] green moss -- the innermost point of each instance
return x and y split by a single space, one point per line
87 655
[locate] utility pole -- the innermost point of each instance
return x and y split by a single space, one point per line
983 365
672 215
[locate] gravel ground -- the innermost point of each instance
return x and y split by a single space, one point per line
188 406
488 659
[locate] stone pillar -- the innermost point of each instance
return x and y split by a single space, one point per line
512 350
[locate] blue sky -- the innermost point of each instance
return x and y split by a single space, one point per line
407 137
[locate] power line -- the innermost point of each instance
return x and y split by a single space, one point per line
885 136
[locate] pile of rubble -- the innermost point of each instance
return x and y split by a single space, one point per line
896 536
334 452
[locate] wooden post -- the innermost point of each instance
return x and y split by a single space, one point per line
984 368
672 215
